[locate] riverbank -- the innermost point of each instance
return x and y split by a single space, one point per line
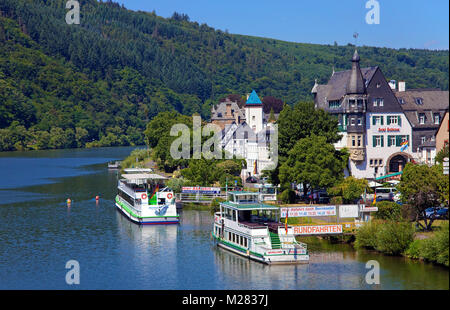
401 239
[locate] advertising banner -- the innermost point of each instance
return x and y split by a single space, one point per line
368 209
348 211
317 229
201 190
309 211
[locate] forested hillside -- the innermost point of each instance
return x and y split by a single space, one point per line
98 83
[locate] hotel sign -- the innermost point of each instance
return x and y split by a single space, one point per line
309 211
388 129
317 229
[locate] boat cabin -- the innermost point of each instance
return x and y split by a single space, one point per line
245 209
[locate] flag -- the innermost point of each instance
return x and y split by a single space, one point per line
374 198
404 145
255 170
285 222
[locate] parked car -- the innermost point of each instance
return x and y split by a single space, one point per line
322 197
385 193
442 213
436 212
430 212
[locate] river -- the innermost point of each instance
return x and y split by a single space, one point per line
39 234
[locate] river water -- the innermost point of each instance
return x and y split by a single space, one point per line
39 234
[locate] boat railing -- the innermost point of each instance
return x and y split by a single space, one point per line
123 187
134 209
251 225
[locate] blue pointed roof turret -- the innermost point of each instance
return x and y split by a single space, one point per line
253 99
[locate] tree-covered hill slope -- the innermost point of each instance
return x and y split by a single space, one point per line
104 79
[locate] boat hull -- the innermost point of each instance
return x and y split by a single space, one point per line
265 259
148 220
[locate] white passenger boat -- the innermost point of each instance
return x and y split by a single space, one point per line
144 199
114 165
251 229
138 170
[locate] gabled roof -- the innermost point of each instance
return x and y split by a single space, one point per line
339 80
219 112
432 101
336 88
253 99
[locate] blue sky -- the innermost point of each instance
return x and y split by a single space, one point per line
403 23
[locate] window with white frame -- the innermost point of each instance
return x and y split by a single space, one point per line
423 139
437 119
392 140
421 118
378 102
377 120
378 141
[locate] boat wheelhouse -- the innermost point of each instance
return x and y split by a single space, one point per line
252 229
267 192
145 200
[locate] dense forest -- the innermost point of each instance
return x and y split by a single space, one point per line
99 83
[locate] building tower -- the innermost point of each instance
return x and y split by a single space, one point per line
355 105
254 114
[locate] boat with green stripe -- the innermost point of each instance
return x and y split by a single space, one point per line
252 229
143 199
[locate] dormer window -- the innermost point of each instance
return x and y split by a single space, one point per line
418 101
378 85
421 118
401 101
334 104
437 119
378 102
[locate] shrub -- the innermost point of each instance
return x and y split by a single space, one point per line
176 184
337 200
415 249
394 237
388 210
287 196
436 248
365 235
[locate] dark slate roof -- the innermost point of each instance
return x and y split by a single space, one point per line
221 109
433 101
337 85
355 83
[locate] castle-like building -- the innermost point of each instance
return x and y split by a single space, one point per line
246 132
382 127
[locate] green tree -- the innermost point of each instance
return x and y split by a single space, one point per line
423 187
443 153
350 189
315 163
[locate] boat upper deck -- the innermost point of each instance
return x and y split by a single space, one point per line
240 206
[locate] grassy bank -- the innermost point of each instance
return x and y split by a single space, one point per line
401 238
